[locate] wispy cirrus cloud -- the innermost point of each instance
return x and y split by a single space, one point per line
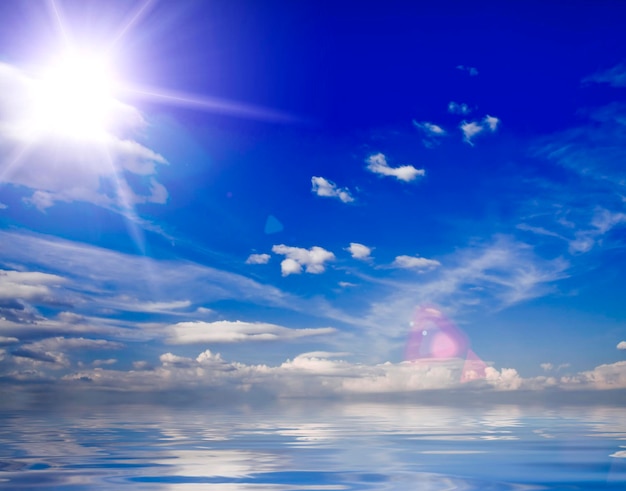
236 332
614 76
377 164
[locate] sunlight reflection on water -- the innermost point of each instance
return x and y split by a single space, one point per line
319 447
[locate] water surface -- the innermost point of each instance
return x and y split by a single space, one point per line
320 446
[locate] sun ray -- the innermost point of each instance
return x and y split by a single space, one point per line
59 21
205 103
133 19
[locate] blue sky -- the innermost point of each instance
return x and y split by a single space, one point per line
284 196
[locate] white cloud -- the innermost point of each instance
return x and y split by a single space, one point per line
132 304
469 69
414 262
602 222
458 108
100 363
609 376
258 259
432 132
547 367
62 168
290 266
346 284
621 345
27 285
324 187
360 251
377 164
108 280
8 340
63 343
3 206
474 128
313 260
236 331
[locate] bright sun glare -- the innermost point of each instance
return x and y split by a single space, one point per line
73 98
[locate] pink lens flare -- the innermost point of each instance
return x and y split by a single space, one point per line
434 336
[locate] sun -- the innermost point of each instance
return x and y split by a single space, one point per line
73 98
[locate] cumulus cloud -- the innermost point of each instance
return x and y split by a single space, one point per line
608 376
458 108
313 260
432 132
360 251
60 168
313 374
258 259
235 332
547 366
415 262
621 345
473 128
377 164
324 187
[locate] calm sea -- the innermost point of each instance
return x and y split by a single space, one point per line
316 446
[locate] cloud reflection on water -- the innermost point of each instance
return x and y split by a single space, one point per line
323 447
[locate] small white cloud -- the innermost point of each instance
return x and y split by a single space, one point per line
328 189
547 366
3 206
100 363
258 259
237 331
432 132
313 260
492 122
472 128
377 164
458 108
430 129
346 284
360 251
469 69
414 262
621 345
8 340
